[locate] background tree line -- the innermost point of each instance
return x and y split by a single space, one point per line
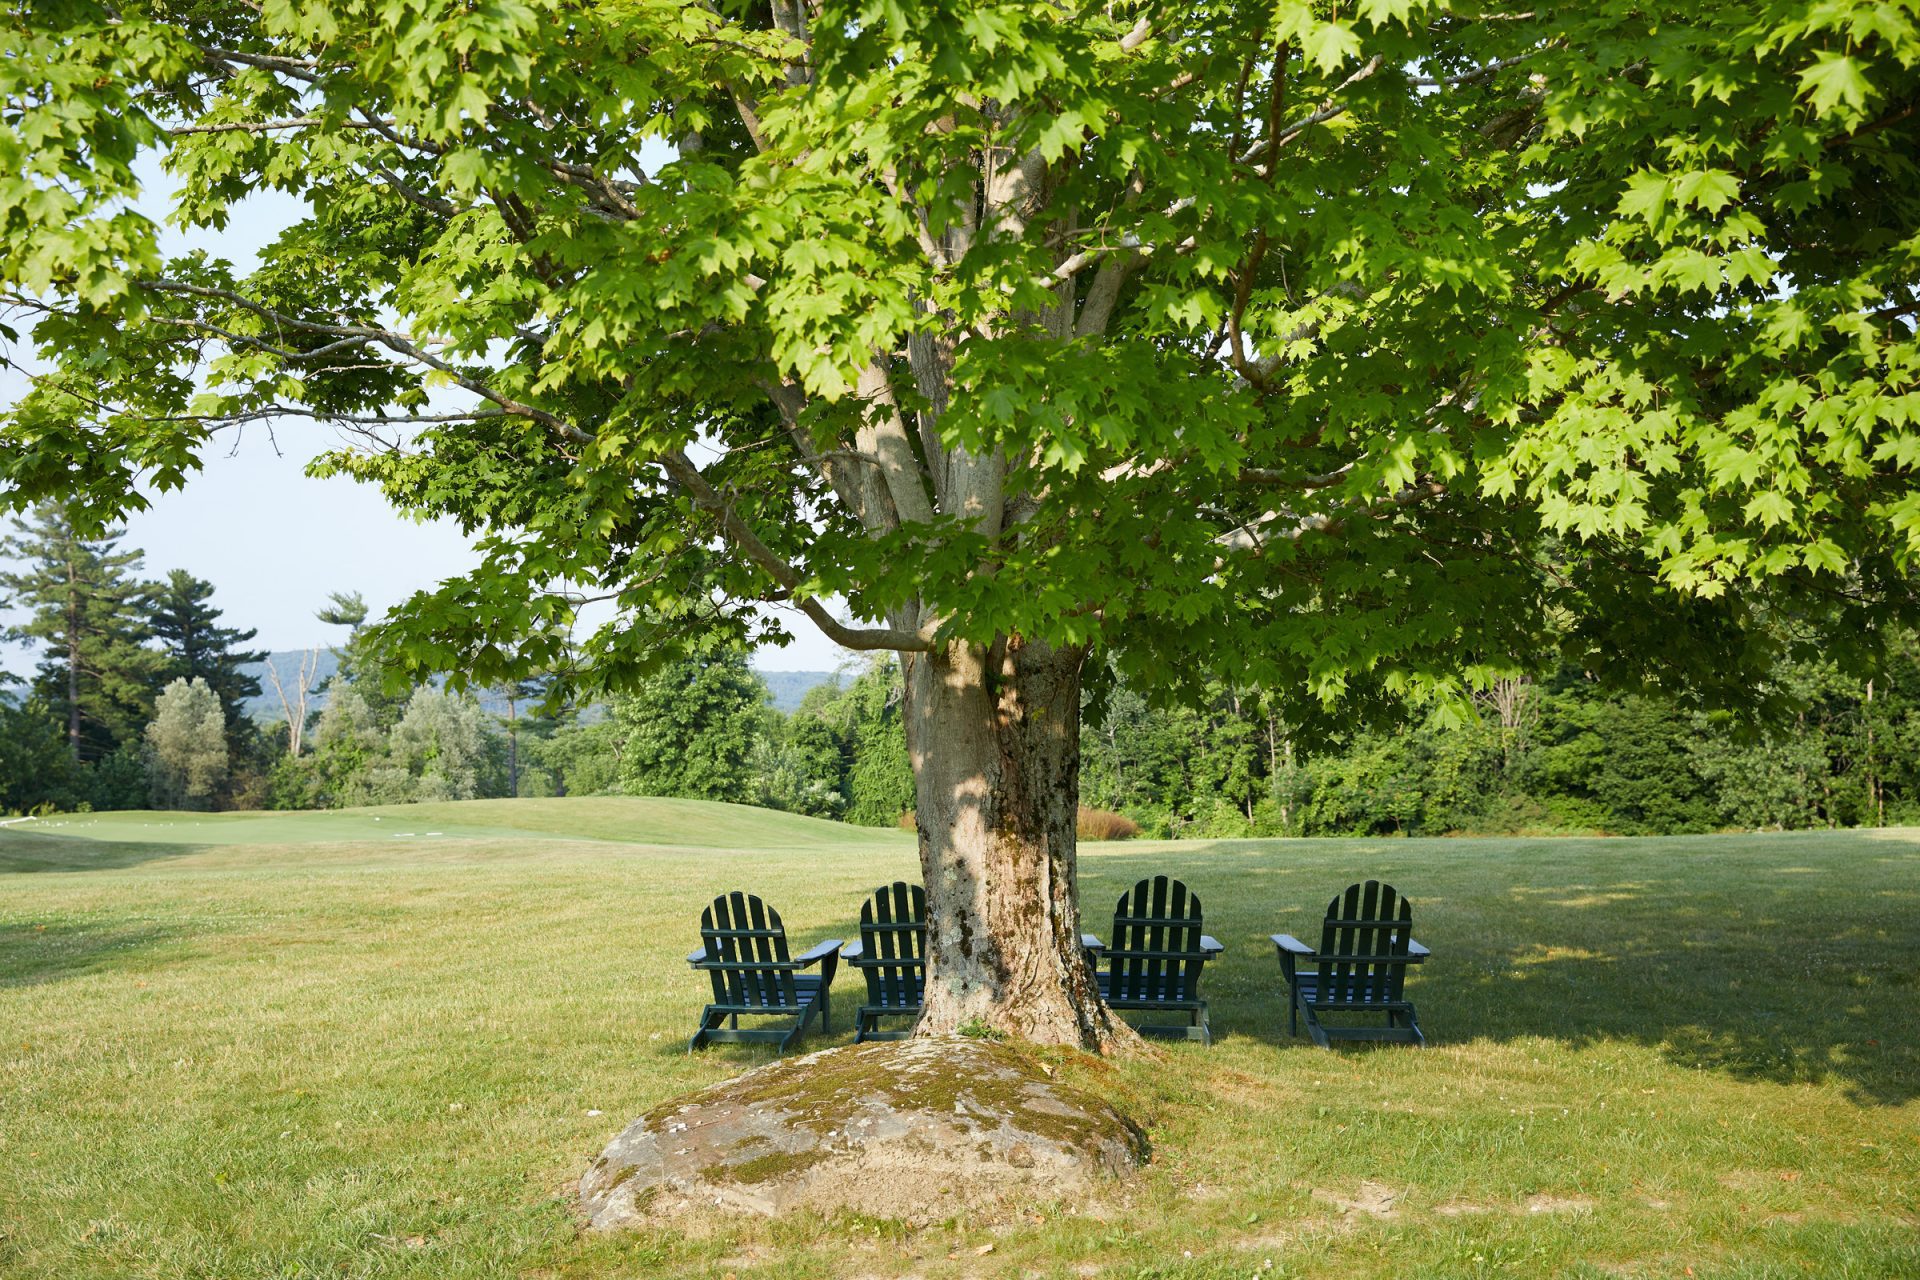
1558 754
138 699
138 695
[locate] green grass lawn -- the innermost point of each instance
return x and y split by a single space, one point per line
386 1043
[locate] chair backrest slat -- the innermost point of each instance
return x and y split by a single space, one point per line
746 939
893 930
1156 943
1363 945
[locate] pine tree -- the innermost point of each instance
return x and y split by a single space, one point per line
35 767
199 648
345 609
88 607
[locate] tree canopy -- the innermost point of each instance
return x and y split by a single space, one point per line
1359 340
690 730
186 744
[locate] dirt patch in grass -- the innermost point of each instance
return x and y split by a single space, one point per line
1559 1204
1374 1199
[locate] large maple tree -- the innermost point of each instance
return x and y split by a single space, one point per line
1350 349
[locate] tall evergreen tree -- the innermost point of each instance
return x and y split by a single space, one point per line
199 648
526 710
87 606
344 609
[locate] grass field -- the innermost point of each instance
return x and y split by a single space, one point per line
386 1042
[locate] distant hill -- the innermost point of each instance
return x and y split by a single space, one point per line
787 687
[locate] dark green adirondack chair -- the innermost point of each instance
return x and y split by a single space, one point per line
743 949
1155 961
892 954
1366 944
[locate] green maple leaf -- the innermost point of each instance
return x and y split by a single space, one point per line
1835 78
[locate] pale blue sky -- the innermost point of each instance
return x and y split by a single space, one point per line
273 542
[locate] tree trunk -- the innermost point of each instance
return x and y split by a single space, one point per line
73 661
995 741
513 748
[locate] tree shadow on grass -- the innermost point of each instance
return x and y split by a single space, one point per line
26 852
1768 968
33 955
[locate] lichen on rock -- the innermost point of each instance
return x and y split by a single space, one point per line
917 1130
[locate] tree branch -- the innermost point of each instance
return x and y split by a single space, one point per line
1328 110
393 341
883 433
862 492
1480 73
1255 535
681 470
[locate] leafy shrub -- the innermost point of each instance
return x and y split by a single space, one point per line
1219 819
118 780
1271 818
1155 822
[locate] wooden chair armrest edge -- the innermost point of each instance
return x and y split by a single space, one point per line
831 947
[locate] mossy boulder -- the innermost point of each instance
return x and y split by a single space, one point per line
919 1130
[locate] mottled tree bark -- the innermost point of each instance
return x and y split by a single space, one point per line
995 740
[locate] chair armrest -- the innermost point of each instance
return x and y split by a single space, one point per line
828 948
852 952
1415 951
1287 942
1091 942
1210 946
695 956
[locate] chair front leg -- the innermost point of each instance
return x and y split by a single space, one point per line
709 1022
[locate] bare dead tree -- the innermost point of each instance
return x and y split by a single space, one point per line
294 706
